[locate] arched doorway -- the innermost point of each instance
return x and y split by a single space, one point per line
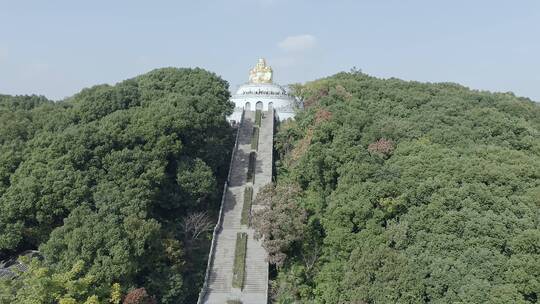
270 106
259 105
247 106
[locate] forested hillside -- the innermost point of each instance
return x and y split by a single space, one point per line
403 192
386 192
116 186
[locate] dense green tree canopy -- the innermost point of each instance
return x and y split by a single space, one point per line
416 193
387 192
107 176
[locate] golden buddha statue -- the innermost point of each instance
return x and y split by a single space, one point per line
261 73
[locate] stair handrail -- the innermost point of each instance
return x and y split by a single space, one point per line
273 113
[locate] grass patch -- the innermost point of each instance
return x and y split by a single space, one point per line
258 118
234 302
239 267
246 208
255 139
251 167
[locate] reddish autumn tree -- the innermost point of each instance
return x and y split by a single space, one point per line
322 115
383 147
281 220
139 296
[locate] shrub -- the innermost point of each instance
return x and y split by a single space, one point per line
246 209
258 118
251 167
255 139
239 267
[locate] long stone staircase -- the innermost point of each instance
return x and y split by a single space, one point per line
218 287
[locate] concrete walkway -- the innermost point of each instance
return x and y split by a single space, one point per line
219 284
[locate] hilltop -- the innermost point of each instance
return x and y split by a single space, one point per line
414 193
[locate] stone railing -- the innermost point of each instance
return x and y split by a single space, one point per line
273 115
219 224
275 96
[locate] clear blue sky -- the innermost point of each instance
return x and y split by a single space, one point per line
56 48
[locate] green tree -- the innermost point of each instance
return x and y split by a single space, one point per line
415 193
109 175
43 285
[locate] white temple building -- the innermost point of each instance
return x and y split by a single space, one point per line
260 93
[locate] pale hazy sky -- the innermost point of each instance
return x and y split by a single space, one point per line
57 47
